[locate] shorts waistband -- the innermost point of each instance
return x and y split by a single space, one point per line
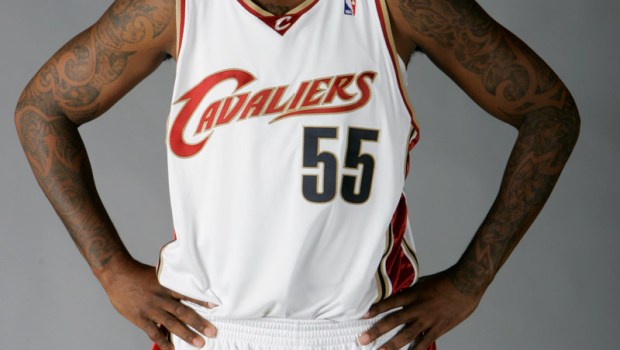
288 333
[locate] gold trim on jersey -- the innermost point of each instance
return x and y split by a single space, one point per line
407 160
412 256
177 10
180 9
384 286
160 262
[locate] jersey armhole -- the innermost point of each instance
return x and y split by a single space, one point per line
398 65
181 9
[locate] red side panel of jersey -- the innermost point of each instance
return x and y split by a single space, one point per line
399 268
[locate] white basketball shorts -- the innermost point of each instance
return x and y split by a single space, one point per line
281 334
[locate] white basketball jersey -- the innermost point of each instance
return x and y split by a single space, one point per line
288 143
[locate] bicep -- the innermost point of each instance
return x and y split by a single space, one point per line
96 68
501 73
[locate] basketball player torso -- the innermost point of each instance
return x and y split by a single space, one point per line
288 143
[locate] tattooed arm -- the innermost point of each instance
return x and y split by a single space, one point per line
506 78
80 82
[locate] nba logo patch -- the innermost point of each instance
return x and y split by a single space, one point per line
349 7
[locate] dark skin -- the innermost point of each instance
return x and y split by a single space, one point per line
79 83
499 72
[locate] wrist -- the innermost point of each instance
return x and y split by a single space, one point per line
470 279
117 264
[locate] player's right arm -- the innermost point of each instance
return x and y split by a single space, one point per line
79 83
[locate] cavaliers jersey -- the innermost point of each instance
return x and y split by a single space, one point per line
288 142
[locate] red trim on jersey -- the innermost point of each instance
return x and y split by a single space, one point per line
279 23
181 24
399 268
387 35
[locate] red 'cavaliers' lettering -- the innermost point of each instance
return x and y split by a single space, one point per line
207 117
193 98
311 97
338 88
273 105
225 116
257 103
315 89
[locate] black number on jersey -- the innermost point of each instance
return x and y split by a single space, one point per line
312 158
353 160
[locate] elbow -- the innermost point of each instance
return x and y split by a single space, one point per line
571 122
32 109
554 125
30 115
19 115
24 109
24 119
576 128
569 132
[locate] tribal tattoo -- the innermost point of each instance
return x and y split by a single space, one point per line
73 87
530 96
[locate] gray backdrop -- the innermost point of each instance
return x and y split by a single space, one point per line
559 290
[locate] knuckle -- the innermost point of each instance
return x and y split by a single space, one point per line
180 309
381 328
169 322
198 322
190 317
388 322
400 340
184 333
410 332
373 331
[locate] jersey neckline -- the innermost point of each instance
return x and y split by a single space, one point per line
279 23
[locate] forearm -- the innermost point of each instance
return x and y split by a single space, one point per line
79 83
60 164
546 139
511 82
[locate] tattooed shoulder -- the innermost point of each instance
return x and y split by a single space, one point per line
72 80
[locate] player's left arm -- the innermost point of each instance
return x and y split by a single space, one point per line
511 82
